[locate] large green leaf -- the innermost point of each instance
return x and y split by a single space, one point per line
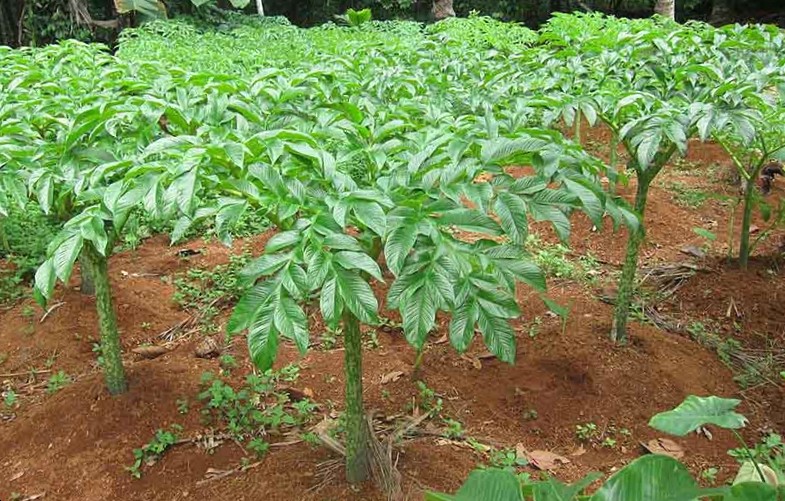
695 412
752 491
151 8
553 490
650 478
484 485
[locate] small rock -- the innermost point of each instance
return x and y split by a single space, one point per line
207 348
692 250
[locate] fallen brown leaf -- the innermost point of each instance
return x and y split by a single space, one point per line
150 352
546 460
580 451
664 446
392 377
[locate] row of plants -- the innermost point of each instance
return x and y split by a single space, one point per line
363 146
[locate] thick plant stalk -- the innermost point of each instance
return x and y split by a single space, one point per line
357 450
577 135
4 246
613 160
746 222
87 287
260 8
627 282
107 320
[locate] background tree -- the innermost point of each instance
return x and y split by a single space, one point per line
442 9
666 8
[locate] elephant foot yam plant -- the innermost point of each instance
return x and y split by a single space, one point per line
331 253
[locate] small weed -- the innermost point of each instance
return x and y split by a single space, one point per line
146 326
428 400
28 311
149 453
311 439
57 382
534 327
255 408
329 338
710 475
227 362
386 394
183 406
586 432
770 451
530 415
454 429
506 459
100 354
10 399
609 442
258 446
687 196
200 289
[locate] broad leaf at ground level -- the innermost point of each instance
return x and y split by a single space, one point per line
484 485
649 478
695 412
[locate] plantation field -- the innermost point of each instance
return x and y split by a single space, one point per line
470 210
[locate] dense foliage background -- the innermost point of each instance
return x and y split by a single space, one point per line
38 22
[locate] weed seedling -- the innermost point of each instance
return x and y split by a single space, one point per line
10 399
57 382
586 432
710 475
182 405
148 454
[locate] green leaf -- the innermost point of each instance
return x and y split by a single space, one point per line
266 264
399 243
462 326
357 295
248 306
484 485
330 303
695 412
418 312
752 491
239 4
553 490
497 335
263 338
358 261
371 215
653 477
591 202
511 210
470 220
65 255
45 279
291 322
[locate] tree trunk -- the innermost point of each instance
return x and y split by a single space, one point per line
260 7
666 8
107 320
357 451
442 9
721 12
627 282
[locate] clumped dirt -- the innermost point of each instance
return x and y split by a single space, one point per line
76 443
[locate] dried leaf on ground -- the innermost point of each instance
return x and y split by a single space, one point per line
546 460
392 377
664 446
150 352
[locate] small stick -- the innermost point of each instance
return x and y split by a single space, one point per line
34 372
50 310
239 469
